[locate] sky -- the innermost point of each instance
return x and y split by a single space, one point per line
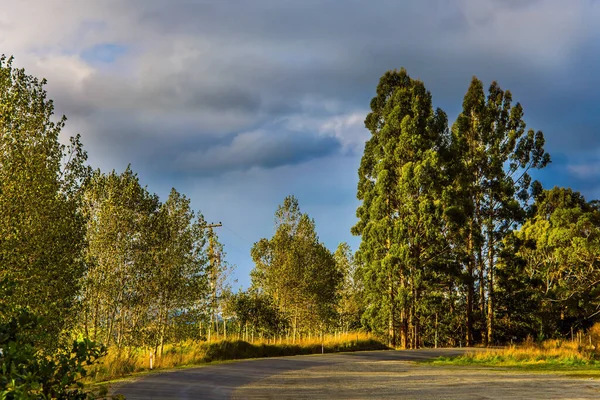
239 103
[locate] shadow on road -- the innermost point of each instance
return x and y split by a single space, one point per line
219 381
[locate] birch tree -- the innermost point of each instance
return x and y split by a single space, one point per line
118 211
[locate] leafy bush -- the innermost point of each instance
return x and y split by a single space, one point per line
28 373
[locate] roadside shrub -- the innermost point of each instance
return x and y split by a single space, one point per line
27 373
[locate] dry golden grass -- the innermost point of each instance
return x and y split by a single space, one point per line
125 361
550 351
550 354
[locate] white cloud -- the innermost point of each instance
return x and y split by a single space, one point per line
585 171
349 129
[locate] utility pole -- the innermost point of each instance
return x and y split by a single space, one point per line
213 275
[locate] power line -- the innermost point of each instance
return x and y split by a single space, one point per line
241 237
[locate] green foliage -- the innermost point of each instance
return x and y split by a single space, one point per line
147 262
41 227
492 155
401 218
27 372
554 258
297 271
257 310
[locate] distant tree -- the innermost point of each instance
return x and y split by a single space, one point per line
255 312
217 273
296 270
350 308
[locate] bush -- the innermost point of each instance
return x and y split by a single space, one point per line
28 373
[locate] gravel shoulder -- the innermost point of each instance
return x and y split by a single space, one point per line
360 375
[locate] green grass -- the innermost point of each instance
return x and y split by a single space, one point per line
495 361
550 356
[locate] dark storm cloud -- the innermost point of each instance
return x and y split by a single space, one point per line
201 71
288 49
258 149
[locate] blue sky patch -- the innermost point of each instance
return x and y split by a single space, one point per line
105 53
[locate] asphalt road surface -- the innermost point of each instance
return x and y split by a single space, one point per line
360 375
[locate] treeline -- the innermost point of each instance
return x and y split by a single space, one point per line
459 244
98 256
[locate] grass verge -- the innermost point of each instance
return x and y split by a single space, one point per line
550 356
127 361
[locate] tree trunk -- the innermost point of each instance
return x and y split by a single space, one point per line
470 289
96 312
110 328
411 315
85 321
403 319
490 313
391 327
481 268
120 333
163 322
436 330
162 340
295 327
216 326
416 324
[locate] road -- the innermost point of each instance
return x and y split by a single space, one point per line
361 375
